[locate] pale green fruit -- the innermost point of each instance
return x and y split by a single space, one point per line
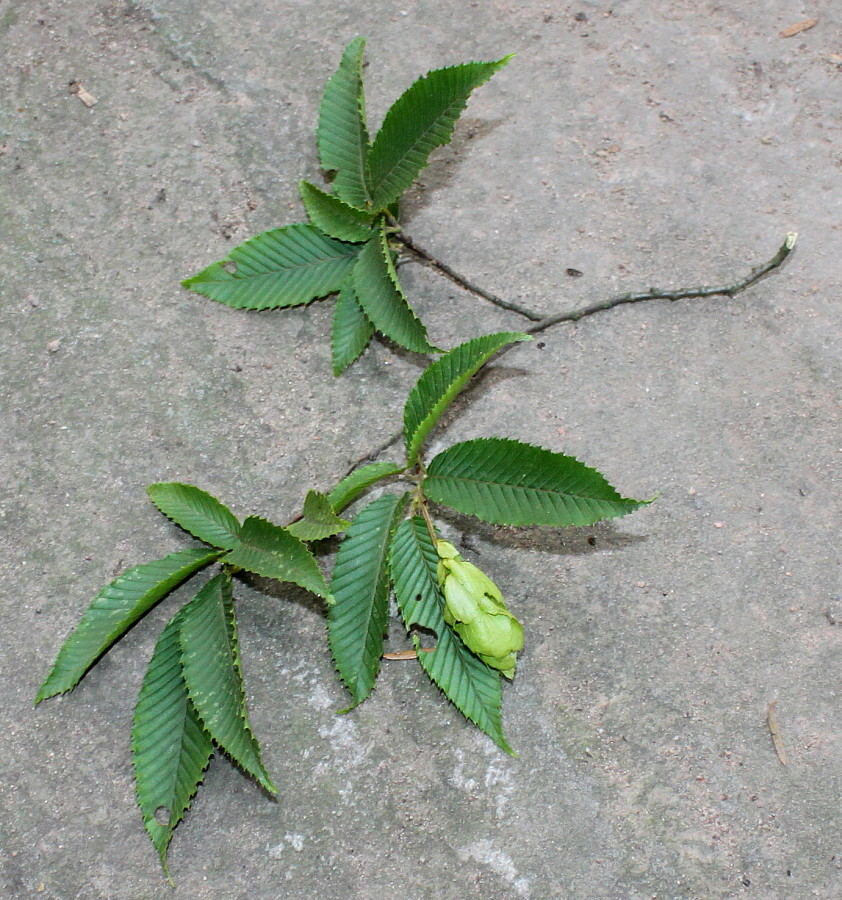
474 608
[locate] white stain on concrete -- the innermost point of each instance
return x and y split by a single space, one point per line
485 853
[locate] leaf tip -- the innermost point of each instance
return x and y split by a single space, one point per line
162 855
46 691
267 785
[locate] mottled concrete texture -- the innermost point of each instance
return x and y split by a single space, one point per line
640 143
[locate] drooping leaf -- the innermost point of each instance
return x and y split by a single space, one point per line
271 551
420 120
333 216
442 381
354 484
511 483
360 585
170 747
342 133
471 685
115 609
197 512
282 267
318 520
380 295
210 659
352 329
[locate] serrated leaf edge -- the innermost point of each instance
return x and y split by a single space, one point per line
415 441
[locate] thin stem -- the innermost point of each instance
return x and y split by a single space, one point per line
728 290
428 259
374 453
420 501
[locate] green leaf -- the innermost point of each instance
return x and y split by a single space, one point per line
318 520
170 747
210 657
333 216
380 295
352 329
360 584
354 484
342 133
115 609
271 551
197 512
510 483
282 267
420 120
471 685
442 381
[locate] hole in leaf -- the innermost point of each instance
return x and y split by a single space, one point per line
162 815
230 266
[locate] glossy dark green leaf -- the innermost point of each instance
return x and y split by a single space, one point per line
442 381
115 609
381 297
352 329
360 586
170 747
282 267
420 120
333 216
342 133
210 657
511 483
197 512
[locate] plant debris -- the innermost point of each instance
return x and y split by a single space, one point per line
798 27
82 93
775 731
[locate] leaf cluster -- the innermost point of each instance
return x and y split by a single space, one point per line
193 697
345 249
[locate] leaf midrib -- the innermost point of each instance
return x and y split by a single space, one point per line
299 268
548 491
371 602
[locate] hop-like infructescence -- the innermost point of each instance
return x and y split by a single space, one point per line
474 608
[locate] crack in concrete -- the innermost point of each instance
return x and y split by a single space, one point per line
177 49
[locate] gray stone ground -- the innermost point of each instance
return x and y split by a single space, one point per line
641 143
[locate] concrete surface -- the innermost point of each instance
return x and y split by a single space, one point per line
641 143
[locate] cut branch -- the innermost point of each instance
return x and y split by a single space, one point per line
728 290
544 322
